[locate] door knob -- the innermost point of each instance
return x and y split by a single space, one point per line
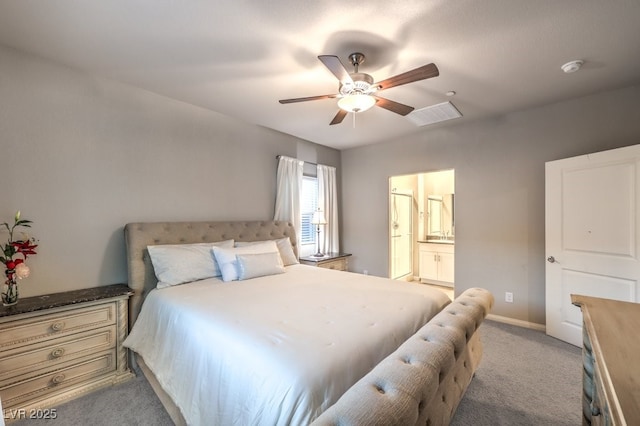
551 259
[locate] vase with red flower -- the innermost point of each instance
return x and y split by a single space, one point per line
10 293
16 268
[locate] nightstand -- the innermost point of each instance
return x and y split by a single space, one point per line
56 347
337 261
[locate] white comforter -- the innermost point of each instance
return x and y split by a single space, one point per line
275 350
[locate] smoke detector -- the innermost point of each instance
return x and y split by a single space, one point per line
572 66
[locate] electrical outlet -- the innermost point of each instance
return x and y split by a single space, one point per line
508 297
365 272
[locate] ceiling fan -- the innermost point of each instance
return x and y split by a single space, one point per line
357 91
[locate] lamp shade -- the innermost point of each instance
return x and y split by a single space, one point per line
356 102
318 218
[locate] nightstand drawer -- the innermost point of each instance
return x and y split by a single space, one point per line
59 379
45 327
337 261
338 264
19 363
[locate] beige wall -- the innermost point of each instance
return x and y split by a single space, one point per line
82 156
499 180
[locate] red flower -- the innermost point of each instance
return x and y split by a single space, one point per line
10 264
24 247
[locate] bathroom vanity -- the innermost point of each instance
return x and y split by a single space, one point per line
436 251
436 259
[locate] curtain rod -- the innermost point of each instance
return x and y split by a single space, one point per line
308 162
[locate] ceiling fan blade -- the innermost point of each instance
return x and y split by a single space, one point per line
393 106
421 73
335 66
309 98
339 117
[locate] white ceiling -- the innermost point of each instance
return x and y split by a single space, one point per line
239 57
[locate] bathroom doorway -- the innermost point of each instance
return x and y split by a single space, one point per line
422 228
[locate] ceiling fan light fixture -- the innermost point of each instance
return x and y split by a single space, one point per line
356 102
356 89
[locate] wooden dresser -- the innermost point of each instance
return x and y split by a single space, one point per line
57 347
611 360
337 261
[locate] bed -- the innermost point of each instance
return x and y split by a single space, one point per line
295 346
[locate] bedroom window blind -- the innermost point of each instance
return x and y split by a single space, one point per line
309 204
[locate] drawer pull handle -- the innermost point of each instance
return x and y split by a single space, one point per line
57 353
57 326
57 379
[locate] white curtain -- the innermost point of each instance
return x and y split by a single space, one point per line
328 203
289 186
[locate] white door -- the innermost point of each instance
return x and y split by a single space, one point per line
592 234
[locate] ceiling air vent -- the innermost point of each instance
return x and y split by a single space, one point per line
434 114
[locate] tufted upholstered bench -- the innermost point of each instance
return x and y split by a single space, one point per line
422 382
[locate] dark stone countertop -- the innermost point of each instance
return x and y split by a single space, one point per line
54 300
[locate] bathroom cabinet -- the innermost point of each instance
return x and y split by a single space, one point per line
437 263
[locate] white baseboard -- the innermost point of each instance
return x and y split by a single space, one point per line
519 323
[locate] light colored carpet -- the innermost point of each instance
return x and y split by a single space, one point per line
132 403
525 378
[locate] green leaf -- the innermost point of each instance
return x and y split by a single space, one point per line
9 251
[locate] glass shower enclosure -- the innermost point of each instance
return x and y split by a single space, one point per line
401 234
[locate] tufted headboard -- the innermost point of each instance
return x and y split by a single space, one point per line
138 236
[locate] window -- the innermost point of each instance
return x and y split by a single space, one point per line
309 204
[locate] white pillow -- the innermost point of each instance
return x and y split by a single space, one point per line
284 247
181 263
226 257
259 265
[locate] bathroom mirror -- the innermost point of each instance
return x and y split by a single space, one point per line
440 216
